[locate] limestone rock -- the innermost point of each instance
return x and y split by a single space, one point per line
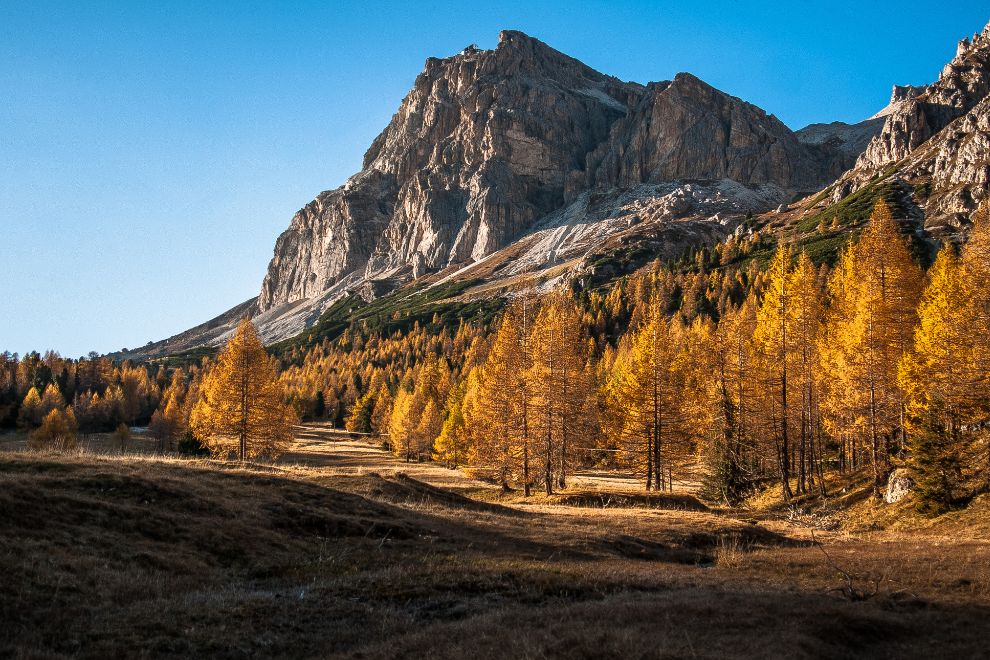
916 114
687 129
489 143
484 144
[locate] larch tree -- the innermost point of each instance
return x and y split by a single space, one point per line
503 412
30 414
402 423
562 386
241 409
51 399
453 445
775 345
649 394
875 290
57 431
728 455
940 377
804 321
382 411
976 264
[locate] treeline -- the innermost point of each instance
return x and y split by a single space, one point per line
61 397
102 394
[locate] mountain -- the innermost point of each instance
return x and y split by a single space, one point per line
935 139
521 166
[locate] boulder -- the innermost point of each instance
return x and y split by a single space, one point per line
899 485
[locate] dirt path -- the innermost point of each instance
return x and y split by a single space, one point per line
320 445
340 452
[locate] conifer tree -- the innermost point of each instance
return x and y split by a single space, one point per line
30 412
940 375
452 447
776 345
51 400
562 388
732 435
503 413
382 411
57 431
875 292
402 423
241 409
976 265
804 323
649 394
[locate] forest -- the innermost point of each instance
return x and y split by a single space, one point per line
765 372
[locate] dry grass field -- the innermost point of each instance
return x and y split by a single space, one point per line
340 550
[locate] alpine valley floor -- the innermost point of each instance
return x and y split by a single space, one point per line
341 550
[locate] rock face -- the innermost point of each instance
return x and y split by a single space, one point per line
915 114
686 129
488 143
842 143
484 144
937 139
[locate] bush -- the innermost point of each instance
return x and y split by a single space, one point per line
122 436
58 432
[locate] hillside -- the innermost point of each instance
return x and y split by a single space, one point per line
132 556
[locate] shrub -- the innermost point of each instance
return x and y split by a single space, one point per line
57 431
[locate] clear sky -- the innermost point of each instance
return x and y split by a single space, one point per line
150 153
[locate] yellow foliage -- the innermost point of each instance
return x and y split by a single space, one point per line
240 410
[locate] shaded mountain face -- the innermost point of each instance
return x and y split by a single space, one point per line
488 143
686 129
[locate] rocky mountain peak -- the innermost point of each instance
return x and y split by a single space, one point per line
900 95
522 144
489 142
916 114
935 141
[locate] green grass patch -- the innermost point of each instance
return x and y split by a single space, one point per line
398 311
826 248
856 208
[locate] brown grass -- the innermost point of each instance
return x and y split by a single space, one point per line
115 556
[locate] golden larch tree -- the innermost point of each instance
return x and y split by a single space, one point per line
562 385
649 394
875 292
241 408
940 373
503 410
775 345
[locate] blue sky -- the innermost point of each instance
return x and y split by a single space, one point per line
150 153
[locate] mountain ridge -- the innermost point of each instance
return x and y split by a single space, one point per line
524 147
